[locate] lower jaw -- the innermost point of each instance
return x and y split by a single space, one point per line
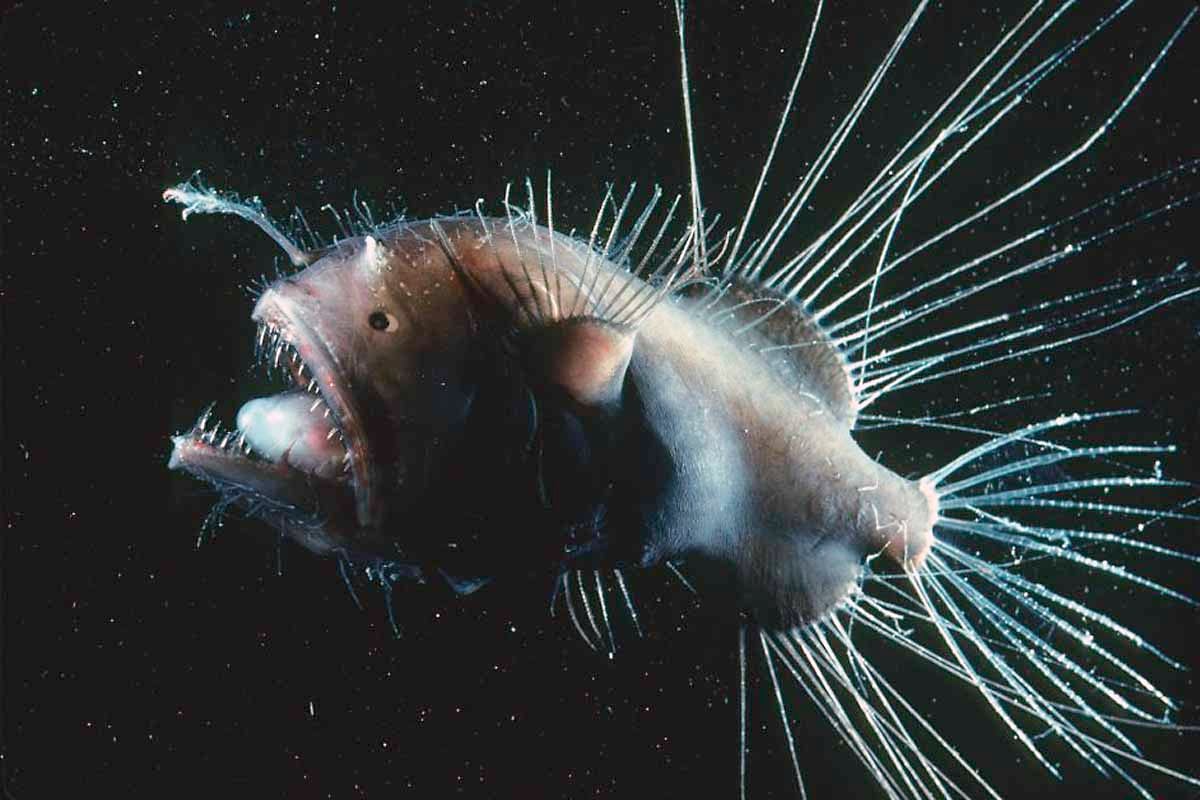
273 482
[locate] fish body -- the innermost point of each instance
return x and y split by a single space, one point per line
477 398
634 426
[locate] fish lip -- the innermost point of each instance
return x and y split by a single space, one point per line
199 453
286 317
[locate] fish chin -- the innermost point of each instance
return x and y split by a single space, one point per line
313 509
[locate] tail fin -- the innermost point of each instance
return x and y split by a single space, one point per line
1011 599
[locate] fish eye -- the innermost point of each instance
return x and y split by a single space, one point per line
383 321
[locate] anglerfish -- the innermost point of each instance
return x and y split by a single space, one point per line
481 396
597 422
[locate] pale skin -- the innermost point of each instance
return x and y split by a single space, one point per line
705 451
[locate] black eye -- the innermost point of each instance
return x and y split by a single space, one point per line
383 321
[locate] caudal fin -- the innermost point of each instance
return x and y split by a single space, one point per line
1024 596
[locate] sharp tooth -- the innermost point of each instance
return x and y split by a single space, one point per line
208 437
262 335
329 435
241 440
204 417
327 413
313 407
312 386
278 350
225 440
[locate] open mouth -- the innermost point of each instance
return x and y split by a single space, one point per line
286 447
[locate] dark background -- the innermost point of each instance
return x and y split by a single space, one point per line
137 665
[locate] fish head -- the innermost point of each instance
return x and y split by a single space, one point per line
376 341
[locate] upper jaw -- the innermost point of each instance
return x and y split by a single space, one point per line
288 341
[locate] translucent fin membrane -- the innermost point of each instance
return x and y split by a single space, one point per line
1037 688
591 588
991 607
1029 509
870 227
623 296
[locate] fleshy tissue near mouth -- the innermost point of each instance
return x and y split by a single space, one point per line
283 443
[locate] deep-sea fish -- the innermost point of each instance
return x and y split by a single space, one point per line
480 396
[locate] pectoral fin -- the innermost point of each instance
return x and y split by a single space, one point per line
586 358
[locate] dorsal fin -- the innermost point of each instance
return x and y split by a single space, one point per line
793 343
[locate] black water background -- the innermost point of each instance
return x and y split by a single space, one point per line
135 664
